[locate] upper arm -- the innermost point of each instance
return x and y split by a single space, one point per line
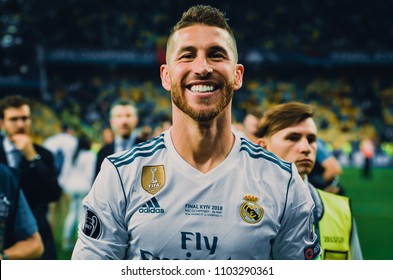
25 223
296 238
331 167
104 234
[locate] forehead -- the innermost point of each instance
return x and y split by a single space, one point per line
201 36
22 110
305 127
123 109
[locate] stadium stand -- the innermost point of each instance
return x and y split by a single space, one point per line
74 58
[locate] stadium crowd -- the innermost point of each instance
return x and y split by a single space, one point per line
350 106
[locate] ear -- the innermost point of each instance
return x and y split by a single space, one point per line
262 142
165 79
111 123
239 76
136 121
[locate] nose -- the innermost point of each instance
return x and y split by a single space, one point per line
20 122
202 68
304 146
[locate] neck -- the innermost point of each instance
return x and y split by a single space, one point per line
203 146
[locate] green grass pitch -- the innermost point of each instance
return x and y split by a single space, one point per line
372 205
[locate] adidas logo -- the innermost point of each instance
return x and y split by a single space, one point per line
151 206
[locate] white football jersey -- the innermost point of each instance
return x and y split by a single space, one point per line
148 203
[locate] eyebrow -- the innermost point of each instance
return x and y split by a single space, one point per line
186 49
292 133
194 49
218 48
24 118
300 134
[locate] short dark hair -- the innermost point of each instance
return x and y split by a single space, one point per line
282 116
205 15
255 111
123 102
12 101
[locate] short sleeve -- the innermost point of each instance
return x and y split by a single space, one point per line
25 224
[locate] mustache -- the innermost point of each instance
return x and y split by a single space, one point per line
208 77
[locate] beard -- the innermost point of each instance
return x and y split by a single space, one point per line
206 115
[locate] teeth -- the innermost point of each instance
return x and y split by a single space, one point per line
202 88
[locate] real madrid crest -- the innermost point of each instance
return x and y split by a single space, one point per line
250 211
153 178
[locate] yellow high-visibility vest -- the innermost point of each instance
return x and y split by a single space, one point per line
335 227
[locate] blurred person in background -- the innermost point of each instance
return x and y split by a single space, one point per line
35 165
123 119
19 237
368 149
289 131
250 123
145 134
327 170
107 136
165 124
77 185
63 146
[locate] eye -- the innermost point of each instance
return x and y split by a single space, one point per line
186 56
311 139
217 55
293 138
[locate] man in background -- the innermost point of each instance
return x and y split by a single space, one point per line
34 164
289 131
123 119
250 123
368 149
327 170
63 146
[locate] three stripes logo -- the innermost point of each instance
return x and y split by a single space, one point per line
151 207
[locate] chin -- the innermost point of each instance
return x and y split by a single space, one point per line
304 171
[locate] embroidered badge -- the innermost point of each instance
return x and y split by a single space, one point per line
313 251
153 178
92 226
250 211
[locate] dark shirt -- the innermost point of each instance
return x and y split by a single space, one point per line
16 219
39 183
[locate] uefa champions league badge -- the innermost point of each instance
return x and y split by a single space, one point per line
250 211
92 226
153 178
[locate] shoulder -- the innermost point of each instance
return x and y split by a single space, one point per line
256 152
107 149
8 180
142 150
332 197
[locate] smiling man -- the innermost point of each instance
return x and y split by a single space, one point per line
198 191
